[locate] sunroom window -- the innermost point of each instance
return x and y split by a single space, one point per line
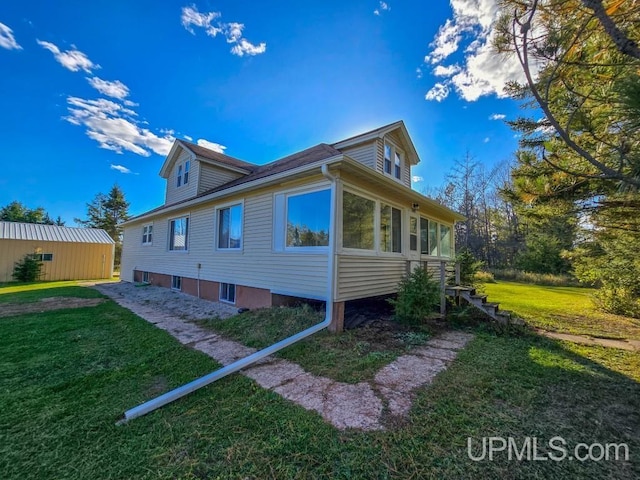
390 229
445 241
358 222
308 216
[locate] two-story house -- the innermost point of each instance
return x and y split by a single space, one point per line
333 222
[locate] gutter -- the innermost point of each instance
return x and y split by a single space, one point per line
190 387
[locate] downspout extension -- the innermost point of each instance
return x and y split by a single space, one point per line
190 387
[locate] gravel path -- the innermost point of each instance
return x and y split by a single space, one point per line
361 406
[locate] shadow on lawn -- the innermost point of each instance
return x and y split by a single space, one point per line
529 386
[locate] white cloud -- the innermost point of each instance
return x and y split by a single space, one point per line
497 116
419 72
483 72
439 92
188 138
73 60
445 43
114 127
244 47
232 31
382 7
441 71
191 16
7 40
120 168
417 179
115 89
216 147
486 140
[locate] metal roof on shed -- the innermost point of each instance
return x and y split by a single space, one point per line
52 233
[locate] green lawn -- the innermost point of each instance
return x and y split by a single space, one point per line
67 375
561 309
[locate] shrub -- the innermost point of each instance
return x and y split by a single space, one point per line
483 277
469 266
547 279
28 269
418 295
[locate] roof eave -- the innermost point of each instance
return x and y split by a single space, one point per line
248 186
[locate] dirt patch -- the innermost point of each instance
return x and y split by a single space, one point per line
48 304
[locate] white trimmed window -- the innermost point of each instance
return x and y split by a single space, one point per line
228 292
392 160
183 173
413 234
187 167
435 238
390 229
308 216
147 234
358 222
230 227
178 234
445 241
145 277
176 282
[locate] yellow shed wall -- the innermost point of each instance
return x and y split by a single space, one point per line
71 261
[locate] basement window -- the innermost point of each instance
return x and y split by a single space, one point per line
176 282
228 292
145 277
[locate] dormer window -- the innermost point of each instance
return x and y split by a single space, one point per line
392 160
183 173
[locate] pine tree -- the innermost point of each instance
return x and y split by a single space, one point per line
108 212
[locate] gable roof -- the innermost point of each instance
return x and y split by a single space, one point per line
412 154
52 233
217 156
204 154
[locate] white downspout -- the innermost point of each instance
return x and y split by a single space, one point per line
190 387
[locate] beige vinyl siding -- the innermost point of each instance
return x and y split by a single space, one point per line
368 276
175 194
255 265
396 138
71 261
406 172
379 147
365 154
211 177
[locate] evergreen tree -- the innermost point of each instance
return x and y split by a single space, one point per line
108 212
17 212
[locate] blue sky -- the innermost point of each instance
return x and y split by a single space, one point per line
94 93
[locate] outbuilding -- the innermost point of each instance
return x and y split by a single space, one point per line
66 253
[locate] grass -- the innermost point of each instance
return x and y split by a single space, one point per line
67 375
561 309
352 357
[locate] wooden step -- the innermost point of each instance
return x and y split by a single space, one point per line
482 298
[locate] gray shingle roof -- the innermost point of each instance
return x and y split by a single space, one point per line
218 157
52 233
